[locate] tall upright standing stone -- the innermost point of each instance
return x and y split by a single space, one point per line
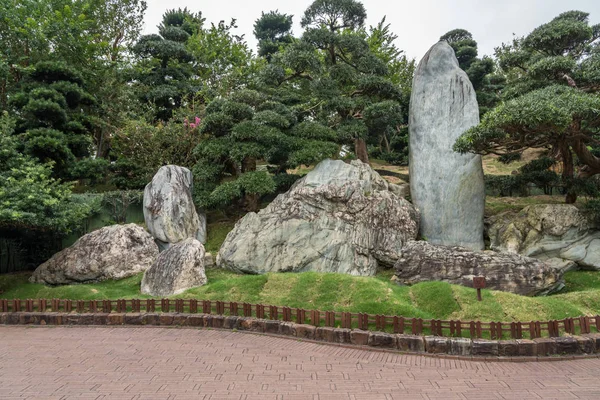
169 209
446 187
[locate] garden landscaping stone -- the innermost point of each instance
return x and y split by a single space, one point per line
411 343
113 252
359 338
527 348
437 345
545 346
460 347
342 335
482 347
587 345
379 339
304 331
548 232
340 217
326 334
567 345
169 210
422 261
176 270
508 348
446 187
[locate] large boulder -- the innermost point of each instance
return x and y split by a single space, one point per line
169 209
547 231
112 252
422 261
339 218
446 187
176 270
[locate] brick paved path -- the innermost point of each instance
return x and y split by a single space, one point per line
162 363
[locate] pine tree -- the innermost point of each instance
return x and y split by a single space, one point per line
51 122
164 75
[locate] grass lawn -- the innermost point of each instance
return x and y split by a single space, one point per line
375 295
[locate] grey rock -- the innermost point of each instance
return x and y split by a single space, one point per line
546 232
402 190
338 218
112 252
169 209
176 270
446 187
422 261
209 260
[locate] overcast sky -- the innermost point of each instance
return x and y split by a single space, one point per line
418 23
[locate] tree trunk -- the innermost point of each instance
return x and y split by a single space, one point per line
249 164
568 171
387 143
250 201
332 54
360 149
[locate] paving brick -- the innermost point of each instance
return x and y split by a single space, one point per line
145 362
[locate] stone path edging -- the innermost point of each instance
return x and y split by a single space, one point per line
542 349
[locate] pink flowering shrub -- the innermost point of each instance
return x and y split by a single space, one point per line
192 125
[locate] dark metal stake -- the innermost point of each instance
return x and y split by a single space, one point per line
479 283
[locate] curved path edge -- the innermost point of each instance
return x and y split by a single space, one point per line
540 349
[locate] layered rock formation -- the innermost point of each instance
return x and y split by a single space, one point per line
176 269
446 187
547 232
339 218
112 252
169 209
422 261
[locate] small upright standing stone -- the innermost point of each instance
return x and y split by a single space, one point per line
446 187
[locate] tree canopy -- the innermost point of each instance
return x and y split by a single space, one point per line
551 98
480 71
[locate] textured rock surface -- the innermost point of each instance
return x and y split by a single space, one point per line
422 261
547 232
169 209
446 187
176 269
112 252
338 218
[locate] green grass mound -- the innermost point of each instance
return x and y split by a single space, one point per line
373 295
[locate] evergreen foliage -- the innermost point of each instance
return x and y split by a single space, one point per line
49 114
273 30
30 198
480 71
240 131
164 75
552 99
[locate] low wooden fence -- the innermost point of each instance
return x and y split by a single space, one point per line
334 319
